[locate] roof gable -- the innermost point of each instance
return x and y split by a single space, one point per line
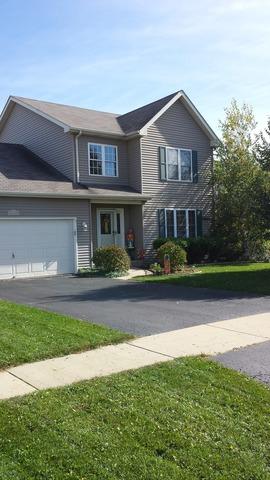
88 121
135 120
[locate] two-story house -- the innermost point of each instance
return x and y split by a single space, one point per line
72 179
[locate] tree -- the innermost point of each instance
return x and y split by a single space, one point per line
263 149
240 184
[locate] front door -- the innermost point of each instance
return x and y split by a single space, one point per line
110 227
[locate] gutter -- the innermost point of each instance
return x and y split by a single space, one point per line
97 198
99 133
77 166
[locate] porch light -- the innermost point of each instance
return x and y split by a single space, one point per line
84 227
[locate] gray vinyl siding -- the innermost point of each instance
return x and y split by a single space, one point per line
85 178
41 136
37 207
175 128
134 164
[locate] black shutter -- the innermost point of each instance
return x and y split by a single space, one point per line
194 166
161 222
199 223
162 163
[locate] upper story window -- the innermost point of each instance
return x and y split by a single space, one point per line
179 164
103 160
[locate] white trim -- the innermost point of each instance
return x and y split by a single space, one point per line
122 223
77 159
174 210
138 199
75 232
102 145
143 131
192 110
179 165
33 109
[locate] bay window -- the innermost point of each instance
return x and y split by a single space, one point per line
180 223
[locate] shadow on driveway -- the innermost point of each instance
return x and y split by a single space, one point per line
138 308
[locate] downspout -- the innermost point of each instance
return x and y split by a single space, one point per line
77 156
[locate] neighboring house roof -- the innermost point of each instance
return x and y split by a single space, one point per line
24 173
132 123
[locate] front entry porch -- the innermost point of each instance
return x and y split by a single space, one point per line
110 227
111 224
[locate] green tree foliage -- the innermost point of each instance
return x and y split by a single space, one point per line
262 150
241 184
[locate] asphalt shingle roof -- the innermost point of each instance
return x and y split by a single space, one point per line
21 171
92 120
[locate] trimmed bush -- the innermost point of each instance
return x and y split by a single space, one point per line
111 259
259 251
156 268
176 253
206 249
182 242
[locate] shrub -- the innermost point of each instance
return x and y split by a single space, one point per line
211 248
111 259
197 250
259 251
156 268
176 253
182 242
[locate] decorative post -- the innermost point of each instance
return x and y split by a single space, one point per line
167 264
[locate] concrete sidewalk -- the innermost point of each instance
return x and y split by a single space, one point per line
209 339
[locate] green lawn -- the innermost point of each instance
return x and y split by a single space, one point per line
187 419
29 334
248 277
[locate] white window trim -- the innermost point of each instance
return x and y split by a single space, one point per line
102 145
186 210
179 150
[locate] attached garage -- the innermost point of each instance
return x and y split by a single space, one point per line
37 247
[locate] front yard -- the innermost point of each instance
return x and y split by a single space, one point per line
29 334
247 277
188 419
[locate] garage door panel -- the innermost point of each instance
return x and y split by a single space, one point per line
36 247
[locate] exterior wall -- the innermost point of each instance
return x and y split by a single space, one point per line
44 138
85 178
134 164
175 128
39 207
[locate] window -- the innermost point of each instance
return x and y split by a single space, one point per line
179 164
172 164
178 223
103 160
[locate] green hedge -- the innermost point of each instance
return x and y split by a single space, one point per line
204 249
111 259
176 253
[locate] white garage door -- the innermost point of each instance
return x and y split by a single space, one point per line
31 248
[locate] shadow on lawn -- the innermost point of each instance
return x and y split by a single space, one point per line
256 282
177 289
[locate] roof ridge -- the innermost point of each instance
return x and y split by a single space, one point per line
63 105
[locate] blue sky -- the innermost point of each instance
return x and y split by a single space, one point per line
115 55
